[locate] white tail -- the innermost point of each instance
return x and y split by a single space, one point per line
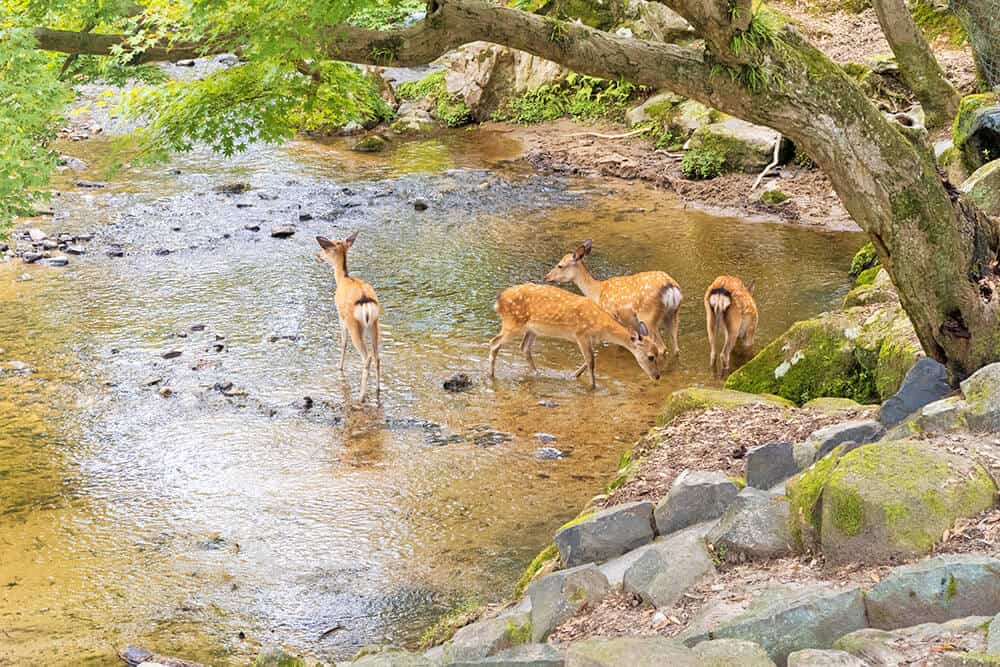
672 297
539 310
719 302
732 318
366 313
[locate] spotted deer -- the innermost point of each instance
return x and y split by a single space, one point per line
357 308
731 315
652 296
542 310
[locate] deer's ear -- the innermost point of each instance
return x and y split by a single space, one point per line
324 242
751 286
351 239
643 329
583 250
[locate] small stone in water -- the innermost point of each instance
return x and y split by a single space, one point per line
218 347
172 354
185 63
458 382
175 228
161 252
252 228
545 437
420 204
223 386
50 244
282 231
75 250
37 235
57 260
152 381
90 184
181 334
548 404
31 257
83 238
166 392
197 327
115 251
303 217
548 454
305 404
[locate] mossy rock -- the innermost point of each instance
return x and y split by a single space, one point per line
600 14
973 111
544 561
874 286
864 259
983 187
746 147
859 353
951 163
804 492
373 143
897 499
832 405
702 398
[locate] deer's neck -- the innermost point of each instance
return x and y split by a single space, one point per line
340 268
612 331
588 284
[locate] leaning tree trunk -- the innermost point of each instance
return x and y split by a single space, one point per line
940 251
980 20
919 68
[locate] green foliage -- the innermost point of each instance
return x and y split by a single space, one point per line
88 69
937 23
449 108
773 197
802 159
32 98
579 96
865 258
382 15
703 163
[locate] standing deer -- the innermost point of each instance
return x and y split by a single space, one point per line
542 310
652 296
731 315
357 309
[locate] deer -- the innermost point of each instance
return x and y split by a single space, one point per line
731 315
653 296
543 310
358 310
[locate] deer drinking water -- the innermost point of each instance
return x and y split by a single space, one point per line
652 296
541 310
731 315
357 309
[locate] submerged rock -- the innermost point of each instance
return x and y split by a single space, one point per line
373 143
282 231
458 382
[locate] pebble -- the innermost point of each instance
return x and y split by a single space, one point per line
31 257
545 437
172 354
548 404
548 454
420 204
197 327
458 382
161 252
50 244
185 63
75 250
304 217
84 237
252 228
56 260
115 251
282 231
166 392
37 235
90 184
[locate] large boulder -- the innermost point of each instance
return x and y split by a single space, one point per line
915 644
702 398
669 567
976 131
983 187
925 383
756 526
558 596
770 463
653 108
486 76
804 492
897 499
694 497
982 393
630 652
732 652
784 619
832 405
526 655
860 353
943 416
936 590
746 147
812 657
488 636
606 534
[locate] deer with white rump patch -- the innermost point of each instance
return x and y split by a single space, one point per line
357 308
731 315
652 296
541 310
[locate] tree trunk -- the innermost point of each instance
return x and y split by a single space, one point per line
940 251
979 19
917 65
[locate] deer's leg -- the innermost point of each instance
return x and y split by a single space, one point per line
710 324
732 335
498 341
343 344
376 339
674 322
358 338
526 346
587 349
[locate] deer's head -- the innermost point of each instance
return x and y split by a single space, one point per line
568 268
334 252
644 350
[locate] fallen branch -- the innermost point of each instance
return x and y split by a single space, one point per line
609 136
768 168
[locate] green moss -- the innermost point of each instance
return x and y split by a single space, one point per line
896 357
740 482
848 513
446 626
937 23
774 197
579 519
518 633
545 556
970 106
867 277
804 492
949 592
866 258
701 398
450 109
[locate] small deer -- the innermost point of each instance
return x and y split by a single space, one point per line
731 315
652 296
542 310
357 309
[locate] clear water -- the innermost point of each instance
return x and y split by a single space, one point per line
179 523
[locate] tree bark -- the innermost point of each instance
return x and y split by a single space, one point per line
90 44
919 68
939 249
979 19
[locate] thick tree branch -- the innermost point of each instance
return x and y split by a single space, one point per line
86 43
917 65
